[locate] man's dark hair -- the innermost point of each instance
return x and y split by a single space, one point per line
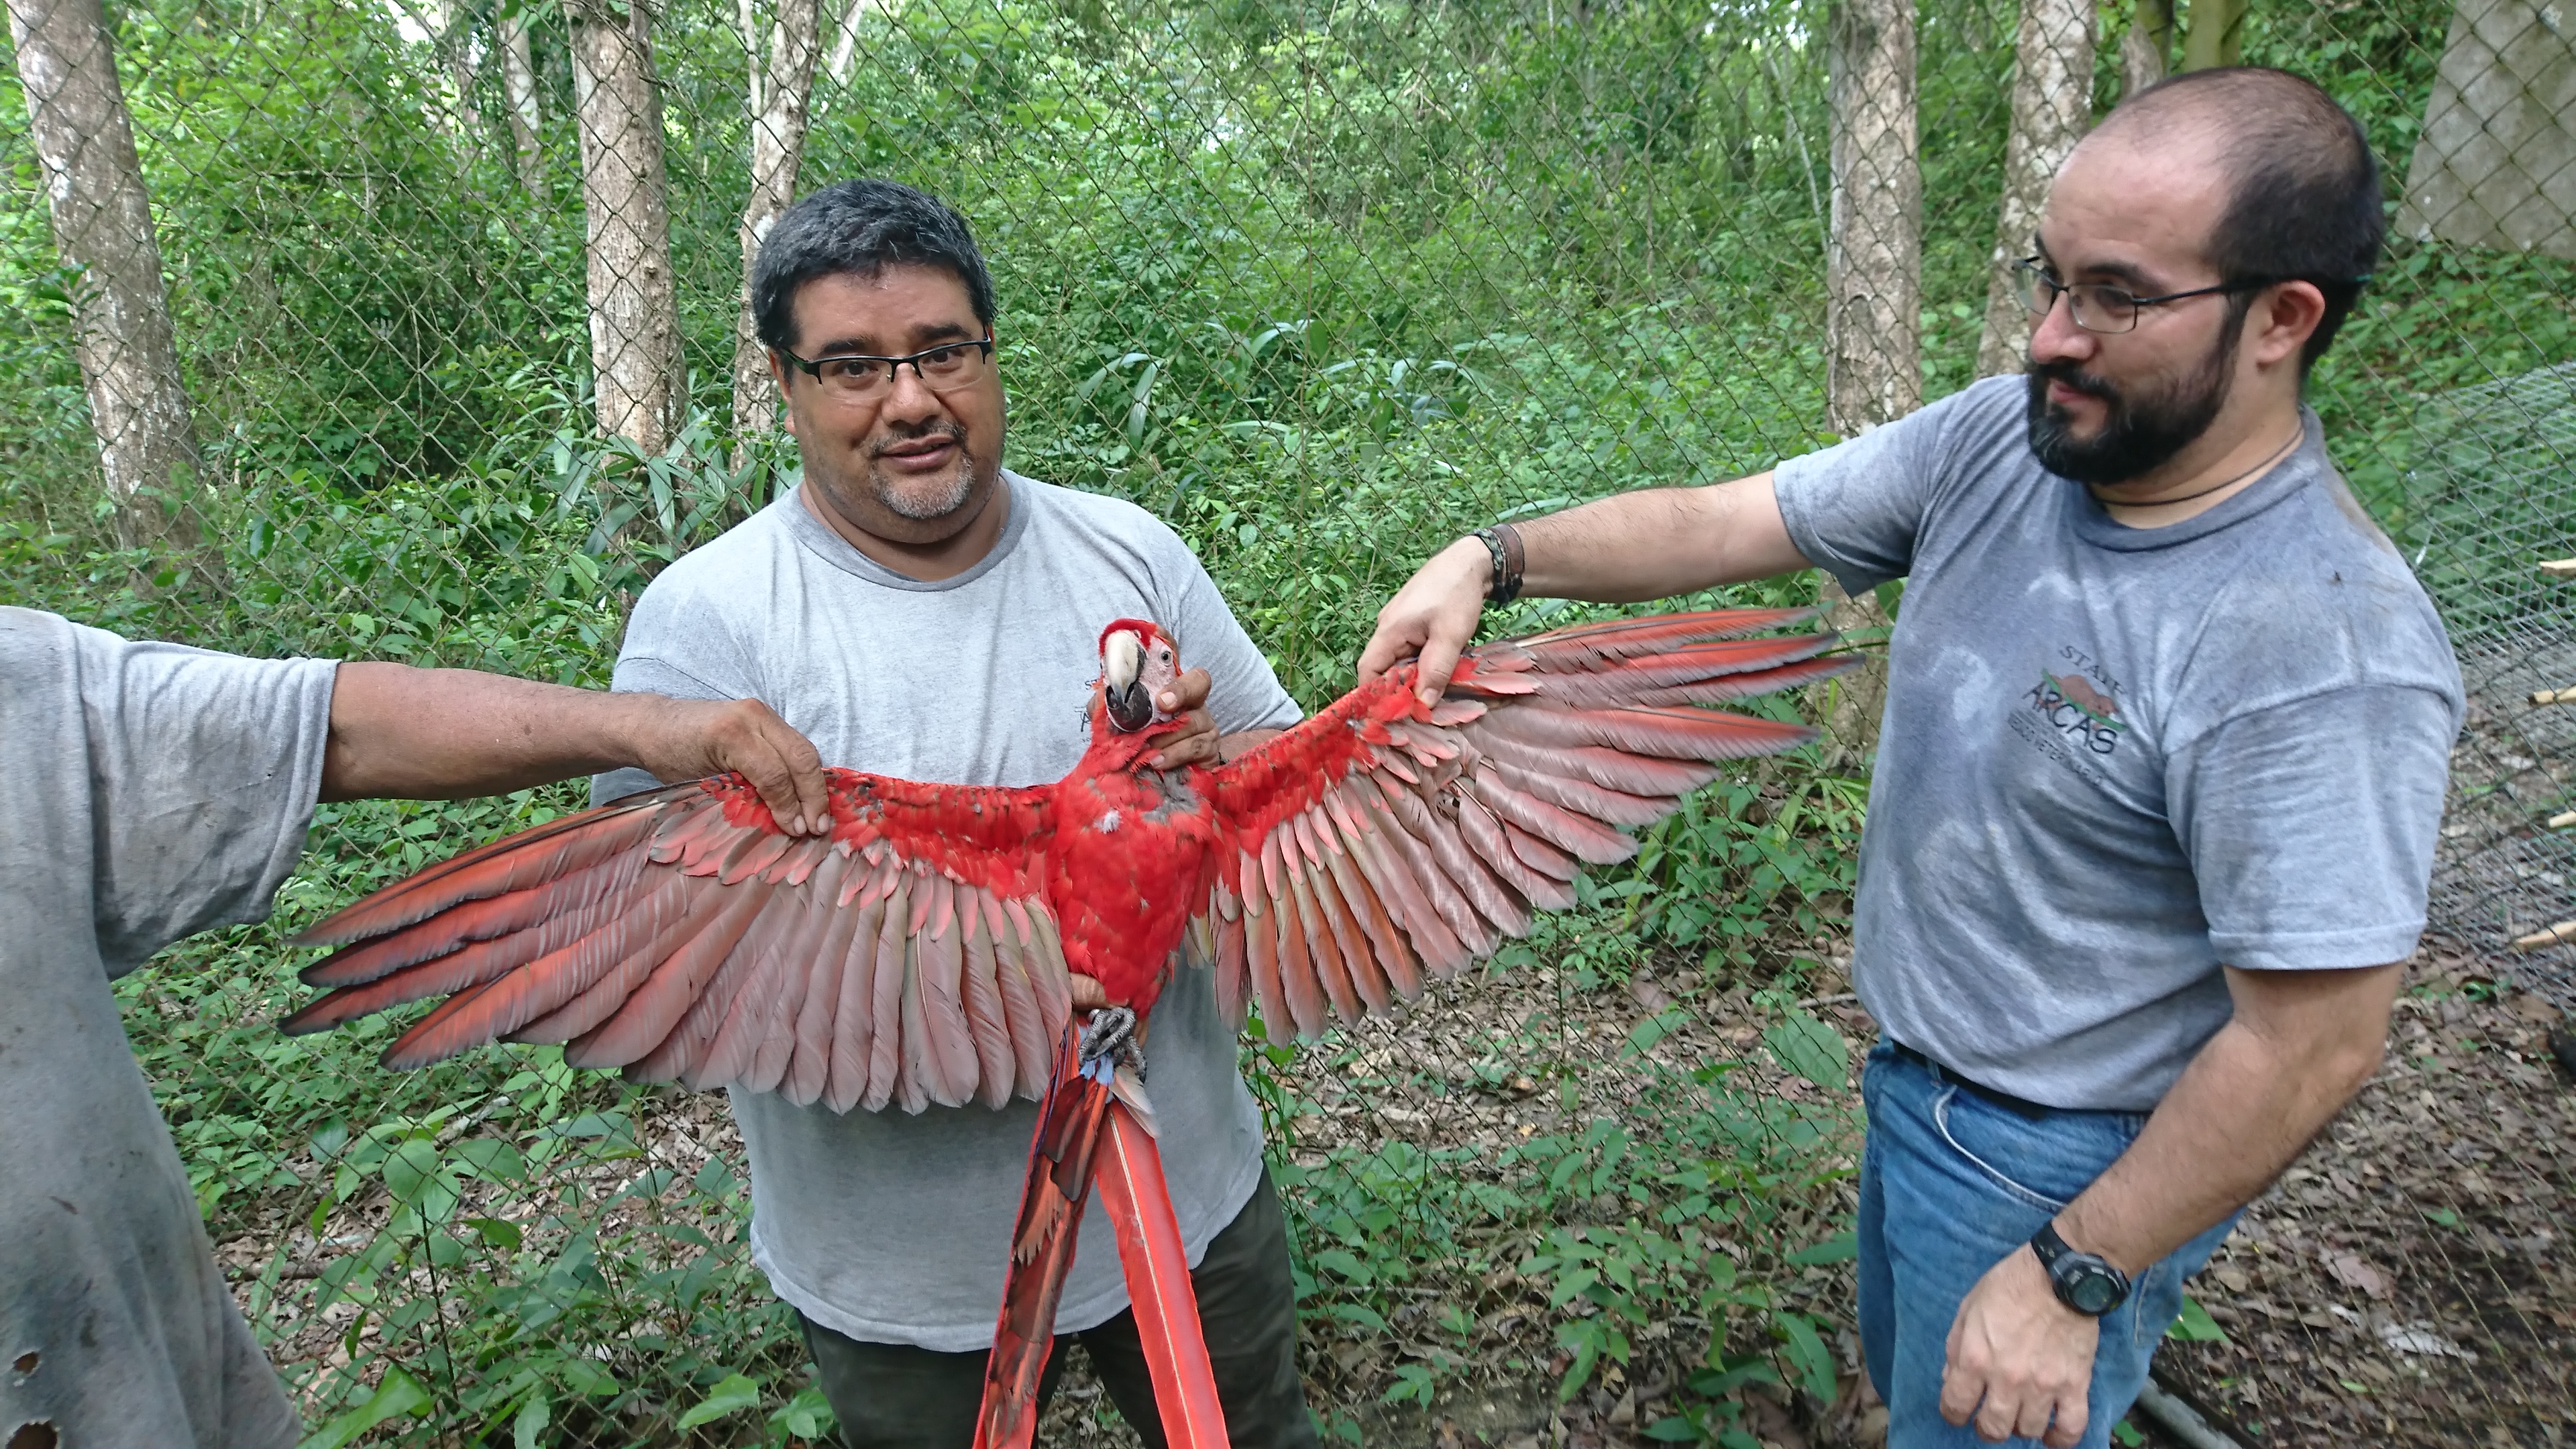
2303 189
860 228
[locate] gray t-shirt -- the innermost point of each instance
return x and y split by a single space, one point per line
2115 758
893 1228
158 791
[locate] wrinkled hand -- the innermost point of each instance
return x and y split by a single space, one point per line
689 739
1194 743
1434 615
2020 1362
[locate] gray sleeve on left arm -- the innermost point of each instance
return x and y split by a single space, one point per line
1243 692
207 767
2311 826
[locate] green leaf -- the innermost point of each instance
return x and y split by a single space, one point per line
735 1394
1672 1429
1808 1355
532 1419
496 1232
1840 1248
1803 1044
2194 1325
397 1393
807 1416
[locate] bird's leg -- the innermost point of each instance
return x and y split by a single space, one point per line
1109 1041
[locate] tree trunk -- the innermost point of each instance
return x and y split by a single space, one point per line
2213 34
2144 48
845 43
519 89
778 98
1873 288
634 307
102 217
2052 103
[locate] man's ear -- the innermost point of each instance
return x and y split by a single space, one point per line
778 370
2283 319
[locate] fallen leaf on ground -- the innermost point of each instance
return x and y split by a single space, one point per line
2352 1272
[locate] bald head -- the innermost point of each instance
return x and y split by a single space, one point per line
2299 190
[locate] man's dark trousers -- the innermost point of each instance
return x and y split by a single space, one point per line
896 1396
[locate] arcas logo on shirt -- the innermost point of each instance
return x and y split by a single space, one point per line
2082 713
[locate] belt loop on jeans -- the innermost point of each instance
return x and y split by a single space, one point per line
2018 1106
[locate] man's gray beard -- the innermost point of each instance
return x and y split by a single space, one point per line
950 497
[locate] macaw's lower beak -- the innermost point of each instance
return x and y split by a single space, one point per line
1130 707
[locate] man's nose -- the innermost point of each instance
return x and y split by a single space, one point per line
2056 338
910 396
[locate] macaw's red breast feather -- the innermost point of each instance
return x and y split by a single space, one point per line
906 956
1383 843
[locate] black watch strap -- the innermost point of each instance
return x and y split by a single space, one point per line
2084 1282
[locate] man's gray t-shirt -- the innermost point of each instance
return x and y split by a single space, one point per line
2115 759
893 1228
160 790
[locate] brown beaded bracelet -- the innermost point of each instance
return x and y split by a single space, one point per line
1504 542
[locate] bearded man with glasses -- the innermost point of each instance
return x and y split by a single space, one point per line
2168 726
921 611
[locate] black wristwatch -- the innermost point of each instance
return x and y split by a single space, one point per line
2083 1281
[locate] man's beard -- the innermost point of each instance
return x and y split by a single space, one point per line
2139 433
925 500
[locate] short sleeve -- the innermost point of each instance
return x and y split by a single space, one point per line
1855 509
1243 692
2310 826
662 654
205 768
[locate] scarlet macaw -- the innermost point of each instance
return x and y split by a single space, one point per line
919 951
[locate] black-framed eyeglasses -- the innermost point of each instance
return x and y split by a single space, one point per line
2101 307
859 377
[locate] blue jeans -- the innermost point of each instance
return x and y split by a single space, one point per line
1949 1184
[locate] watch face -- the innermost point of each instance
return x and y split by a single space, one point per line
2090 1290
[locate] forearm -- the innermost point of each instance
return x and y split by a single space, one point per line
1658 542
1233 746
2242 1111
444 734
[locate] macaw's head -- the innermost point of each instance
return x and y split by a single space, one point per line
1137 662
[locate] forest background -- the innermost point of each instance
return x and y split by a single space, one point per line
1321 284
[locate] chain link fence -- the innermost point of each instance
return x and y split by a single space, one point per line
447 367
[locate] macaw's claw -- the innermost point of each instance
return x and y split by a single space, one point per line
1109 1041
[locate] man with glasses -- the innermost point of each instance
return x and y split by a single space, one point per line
2167 728
921 611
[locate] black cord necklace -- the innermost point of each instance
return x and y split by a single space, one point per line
2277 455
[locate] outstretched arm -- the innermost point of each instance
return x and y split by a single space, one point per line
1650 544
444 734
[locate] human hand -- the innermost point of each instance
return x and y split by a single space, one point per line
2020 1362
1433 615
689 739
1194 743
1088 994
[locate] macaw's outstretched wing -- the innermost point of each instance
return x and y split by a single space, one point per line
905 957
1382 842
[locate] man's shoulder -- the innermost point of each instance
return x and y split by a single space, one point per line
711 573
2317 599
1097 515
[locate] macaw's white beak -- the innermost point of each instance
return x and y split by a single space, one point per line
1122 661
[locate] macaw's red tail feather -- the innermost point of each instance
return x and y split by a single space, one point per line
1158 1286
1042 1242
